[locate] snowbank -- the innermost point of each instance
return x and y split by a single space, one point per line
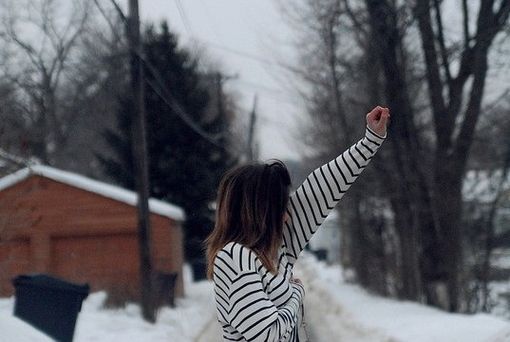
370 318
335 311
183 323
14 329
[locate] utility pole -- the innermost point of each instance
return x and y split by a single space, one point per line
251 132
219 79
138 130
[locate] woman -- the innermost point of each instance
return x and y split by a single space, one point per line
260 231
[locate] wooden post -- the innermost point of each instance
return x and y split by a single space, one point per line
251 132
141 163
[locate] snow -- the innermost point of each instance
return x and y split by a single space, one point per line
358 315
481 185
183 323
87 184
95 323
500 258
334 309
14 329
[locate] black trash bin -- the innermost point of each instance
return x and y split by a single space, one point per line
49 304
321 254
199 268
166 288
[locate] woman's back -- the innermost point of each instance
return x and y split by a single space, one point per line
246 294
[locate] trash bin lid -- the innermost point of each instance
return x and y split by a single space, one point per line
43 280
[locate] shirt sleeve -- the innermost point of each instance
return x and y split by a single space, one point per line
255 316
313 200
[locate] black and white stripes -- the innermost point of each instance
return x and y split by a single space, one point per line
251 303
323 188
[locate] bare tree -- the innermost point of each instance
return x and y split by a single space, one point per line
495 175
402 55
338 65
42 44
435 190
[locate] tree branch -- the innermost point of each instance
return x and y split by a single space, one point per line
489 24
472 113
63 52
502 14
465 13
361 27
470 57
435 85
440 37
25 47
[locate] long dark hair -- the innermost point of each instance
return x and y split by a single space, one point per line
250 208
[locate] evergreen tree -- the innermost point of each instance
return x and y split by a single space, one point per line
184 167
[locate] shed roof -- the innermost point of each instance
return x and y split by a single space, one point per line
107 190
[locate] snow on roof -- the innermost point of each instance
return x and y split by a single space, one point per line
88 184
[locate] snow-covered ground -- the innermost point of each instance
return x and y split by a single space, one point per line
335 311
344 312
14 329
183 323
500 289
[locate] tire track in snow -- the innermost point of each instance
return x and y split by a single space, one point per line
326 320
211 332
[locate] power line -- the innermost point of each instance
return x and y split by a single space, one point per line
161 87
162 90
184 18
187 25
250 56
212 22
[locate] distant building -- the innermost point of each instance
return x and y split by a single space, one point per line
327 238
83 231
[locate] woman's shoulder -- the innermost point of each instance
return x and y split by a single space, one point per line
239 257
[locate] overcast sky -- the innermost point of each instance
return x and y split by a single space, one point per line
246 38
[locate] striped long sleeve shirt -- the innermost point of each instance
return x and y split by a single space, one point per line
253 304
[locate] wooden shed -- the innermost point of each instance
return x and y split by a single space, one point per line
82 230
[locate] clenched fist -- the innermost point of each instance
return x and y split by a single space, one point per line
296 280
377 120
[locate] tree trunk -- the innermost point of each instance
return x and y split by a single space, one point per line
448 256
403 141
141 165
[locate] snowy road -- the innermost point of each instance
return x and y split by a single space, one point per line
339 311
336 311
211 333
326 319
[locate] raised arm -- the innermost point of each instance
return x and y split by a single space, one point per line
311 203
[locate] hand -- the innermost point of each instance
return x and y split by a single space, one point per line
296 280
300 288
377 120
